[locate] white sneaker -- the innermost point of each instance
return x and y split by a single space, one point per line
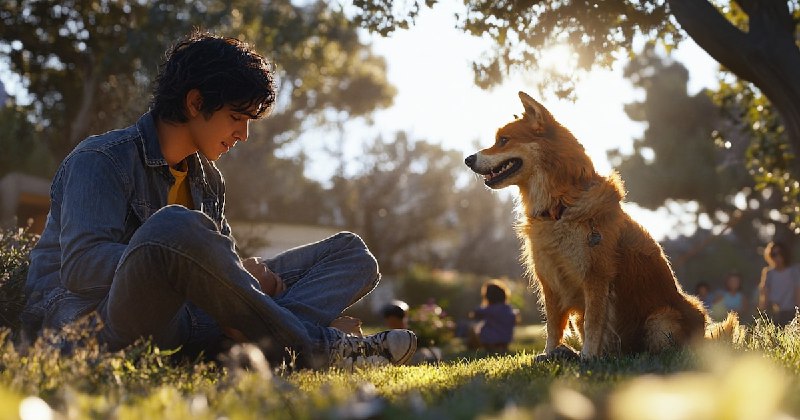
393 347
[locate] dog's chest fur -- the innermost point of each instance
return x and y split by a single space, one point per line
560 252
564 245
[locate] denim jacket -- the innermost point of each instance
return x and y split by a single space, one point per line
101 194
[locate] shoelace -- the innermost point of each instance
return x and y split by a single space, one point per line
349 347
375 343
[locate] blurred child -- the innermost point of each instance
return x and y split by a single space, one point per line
396 313
703 292
496 330
732 297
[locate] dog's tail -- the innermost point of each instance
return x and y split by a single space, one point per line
728 331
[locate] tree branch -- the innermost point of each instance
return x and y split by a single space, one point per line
770 21
715 34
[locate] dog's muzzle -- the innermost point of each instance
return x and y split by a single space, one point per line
470 160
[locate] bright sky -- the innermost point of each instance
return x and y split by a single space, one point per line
438 101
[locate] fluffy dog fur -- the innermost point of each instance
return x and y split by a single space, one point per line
589 259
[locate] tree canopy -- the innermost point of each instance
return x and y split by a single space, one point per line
407 199
88 64
754 40
676 161
400 199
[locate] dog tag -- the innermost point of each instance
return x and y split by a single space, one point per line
594 238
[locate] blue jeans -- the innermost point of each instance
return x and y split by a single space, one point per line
180 280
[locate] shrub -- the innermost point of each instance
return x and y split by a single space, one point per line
15 246
432 326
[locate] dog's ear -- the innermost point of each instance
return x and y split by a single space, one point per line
534 111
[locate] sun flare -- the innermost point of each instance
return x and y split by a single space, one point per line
558 57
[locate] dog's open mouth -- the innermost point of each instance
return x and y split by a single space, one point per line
502 171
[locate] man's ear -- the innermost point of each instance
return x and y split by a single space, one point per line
535 113
194 103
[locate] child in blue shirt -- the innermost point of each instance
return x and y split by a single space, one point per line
496 330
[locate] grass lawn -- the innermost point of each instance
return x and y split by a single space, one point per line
752 380
756 378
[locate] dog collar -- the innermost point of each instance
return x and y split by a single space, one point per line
561 208
555 215
593 238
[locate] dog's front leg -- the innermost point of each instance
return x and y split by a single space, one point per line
596 294
557 318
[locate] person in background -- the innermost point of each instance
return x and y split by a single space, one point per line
703 292
496 330
395 316
780 285
732 298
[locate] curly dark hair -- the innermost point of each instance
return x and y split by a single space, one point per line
226 71
494 291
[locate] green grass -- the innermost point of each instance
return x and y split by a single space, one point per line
756 378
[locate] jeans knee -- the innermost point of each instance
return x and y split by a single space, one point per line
366 261
176 224
349 239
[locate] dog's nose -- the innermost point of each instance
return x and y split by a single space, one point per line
470 160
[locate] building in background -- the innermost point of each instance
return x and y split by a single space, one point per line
266 240
24 201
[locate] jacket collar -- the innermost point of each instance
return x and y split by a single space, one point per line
146 126
153 157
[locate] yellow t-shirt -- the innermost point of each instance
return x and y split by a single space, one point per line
180 193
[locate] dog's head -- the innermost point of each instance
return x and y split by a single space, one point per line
534 151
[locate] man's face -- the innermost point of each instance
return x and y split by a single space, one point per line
217 134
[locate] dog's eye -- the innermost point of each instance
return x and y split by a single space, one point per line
501 141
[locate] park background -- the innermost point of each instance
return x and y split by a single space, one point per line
370 131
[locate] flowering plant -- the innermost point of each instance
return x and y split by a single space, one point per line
431 324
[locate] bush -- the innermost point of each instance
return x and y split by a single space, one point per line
15 246
432 326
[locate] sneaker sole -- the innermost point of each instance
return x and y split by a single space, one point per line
409 352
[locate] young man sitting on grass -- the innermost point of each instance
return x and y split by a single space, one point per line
137 232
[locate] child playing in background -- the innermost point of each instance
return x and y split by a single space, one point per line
395 313
732 298
496 330
703 292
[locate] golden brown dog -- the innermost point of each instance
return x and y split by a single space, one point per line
587 257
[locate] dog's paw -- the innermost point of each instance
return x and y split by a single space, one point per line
564 352
560 353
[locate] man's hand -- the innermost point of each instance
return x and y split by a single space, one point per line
270 282
348 324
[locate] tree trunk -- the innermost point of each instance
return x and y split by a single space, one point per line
766 55
80 123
